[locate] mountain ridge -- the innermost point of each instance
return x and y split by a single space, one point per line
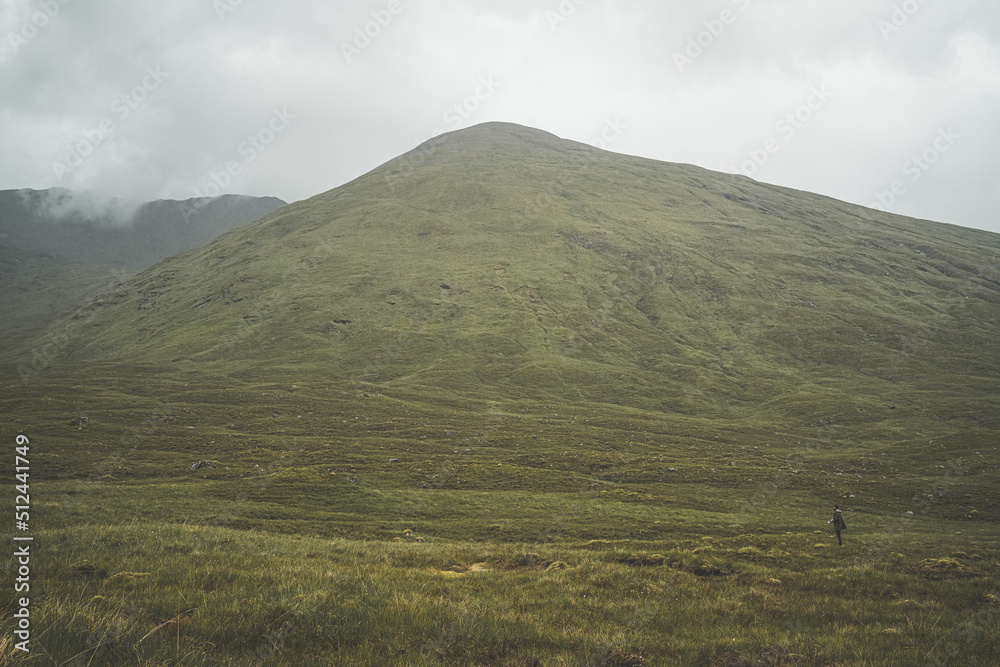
77 227
486 265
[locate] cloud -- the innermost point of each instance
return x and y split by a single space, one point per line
92 208
368 81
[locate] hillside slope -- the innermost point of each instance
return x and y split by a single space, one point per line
35 287
503 262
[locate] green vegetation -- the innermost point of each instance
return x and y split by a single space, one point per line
509 400
34 287
56 257
161 594
342 526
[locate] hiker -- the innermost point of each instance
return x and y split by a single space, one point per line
838 523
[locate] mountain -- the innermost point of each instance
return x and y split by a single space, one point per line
506 395
69 224
35 287
502 263
59 249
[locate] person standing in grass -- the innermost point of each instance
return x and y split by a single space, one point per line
838 523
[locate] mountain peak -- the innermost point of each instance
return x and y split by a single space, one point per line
500 131
478 152
498 138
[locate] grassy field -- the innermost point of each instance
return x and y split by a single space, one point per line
374 529
156 593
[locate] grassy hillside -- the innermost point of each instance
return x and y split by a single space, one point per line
511 400
34 287
504 263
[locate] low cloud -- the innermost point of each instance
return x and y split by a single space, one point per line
91 208
367 82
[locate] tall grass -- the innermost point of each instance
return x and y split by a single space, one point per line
170 594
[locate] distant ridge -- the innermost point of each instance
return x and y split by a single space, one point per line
63 223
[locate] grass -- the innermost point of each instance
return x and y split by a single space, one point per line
516 534
585 409
154 593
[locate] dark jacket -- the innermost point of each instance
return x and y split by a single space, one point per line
838 521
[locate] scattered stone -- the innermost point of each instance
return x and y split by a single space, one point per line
79 422
201 465
621 657
84 569
710 570
393 460
944 567
529 559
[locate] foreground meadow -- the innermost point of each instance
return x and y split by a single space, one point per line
375 530
150 593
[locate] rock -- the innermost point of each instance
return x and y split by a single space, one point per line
84 568
201 465
529 559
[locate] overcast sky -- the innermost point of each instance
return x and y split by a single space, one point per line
894 103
